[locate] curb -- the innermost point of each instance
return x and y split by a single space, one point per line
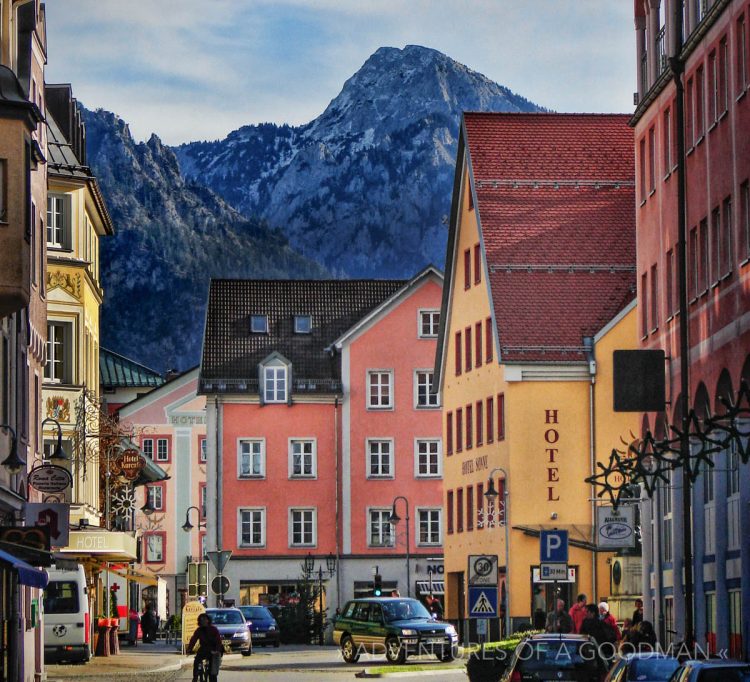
407 673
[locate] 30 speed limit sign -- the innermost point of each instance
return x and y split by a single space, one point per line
483 569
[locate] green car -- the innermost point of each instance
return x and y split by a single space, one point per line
395 626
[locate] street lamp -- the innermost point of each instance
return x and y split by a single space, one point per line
58 453
491 496
393 519
187 526
148 508
330 569
13 463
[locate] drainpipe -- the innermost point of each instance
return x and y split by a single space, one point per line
219 481
588 343
677 66
338 502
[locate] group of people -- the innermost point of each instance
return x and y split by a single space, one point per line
597 622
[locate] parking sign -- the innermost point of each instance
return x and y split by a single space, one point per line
553 547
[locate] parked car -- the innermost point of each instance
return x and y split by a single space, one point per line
67 624
648 666
562 658
263 626
394 626
234 629
712 670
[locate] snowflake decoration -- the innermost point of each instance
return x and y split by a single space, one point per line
123 501
492 517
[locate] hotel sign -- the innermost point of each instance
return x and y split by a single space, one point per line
104 542
50 478
129 464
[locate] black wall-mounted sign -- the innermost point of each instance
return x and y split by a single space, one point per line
639 381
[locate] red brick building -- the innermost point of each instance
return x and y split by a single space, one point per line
715 49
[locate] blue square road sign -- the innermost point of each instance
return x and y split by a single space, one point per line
553 547
482 601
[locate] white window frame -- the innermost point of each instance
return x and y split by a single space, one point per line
391 458
63 346
257 318
430 396
202 449
417 455
262 453
150 441
61 234
314 531
161 558
277 369
298 319
313 442
379 404
384 527
158 452
418 523
421 313
252 510
156 500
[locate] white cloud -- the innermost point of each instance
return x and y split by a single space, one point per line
190 69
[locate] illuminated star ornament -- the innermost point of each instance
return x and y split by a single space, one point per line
614 477
734 424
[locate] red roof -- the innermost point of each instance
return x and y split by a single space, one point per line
556 206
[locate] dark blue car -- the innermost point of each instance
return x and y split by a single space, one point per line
264 629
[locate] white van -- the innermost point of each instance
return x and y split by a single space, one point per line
67 621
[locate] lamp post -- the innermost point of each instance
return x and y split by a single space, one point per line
187 526
393 520
58 453
13 463
330 569
491 496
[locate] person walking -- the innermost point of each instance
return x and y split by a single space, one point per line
578 612
559 620
149 624
638 613
609 620
593 626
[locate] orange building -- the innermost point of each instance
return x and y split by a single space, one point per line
319 416
540 287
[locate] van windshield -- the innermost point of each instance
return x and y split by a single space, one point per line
61 596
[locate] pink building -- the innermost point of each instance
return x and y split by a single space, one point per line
319 415
171 421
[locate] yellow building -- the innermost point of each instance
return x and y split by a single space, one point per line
540 287
76 219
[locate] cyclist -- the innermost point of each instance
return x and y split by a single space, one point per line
209 642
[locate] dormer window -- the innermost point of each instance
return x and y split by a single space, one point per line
275 379
302 324
259 324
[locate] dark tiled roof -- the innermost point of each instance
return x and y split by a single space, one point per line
61 158
231 354
117 371
556 203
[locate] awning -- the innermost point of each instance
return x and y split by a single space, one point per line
27 575
438 587
136 576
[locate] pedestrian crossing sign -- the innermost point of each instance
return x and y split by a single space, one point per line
482 601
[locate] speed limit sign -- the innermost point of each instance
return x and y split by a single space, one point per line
483 569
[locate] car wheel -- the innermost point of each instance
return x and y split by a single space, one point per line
394 652
247 653
348 650
446 655
276 644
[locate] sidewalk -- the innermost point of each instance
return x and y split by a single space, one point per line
142 659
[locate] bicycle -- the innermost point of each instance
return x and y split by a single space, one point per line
203 670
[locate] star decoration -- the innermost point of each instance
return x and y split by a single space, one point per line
651 462
735 422
614 479
703 444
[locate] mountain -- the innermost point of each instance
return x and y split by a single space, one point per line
172 235
365 188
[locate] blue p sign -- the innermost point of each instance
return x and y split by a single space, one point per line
553 546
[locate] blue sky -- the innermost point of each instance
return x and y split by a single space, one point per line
198 69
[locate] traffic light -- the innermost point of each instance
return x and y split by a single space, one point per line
377 586
197 578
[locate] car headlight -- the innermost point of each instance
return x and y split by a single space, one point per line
407 632
271 628
450 630
240 635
